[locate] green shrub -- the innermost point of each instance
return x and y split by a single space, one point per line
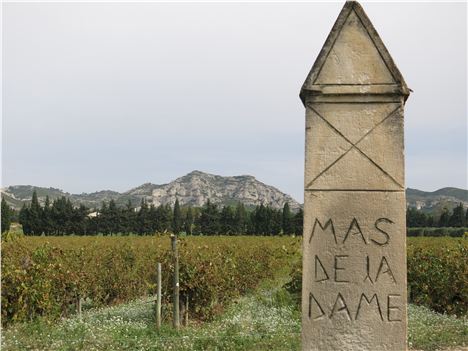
44 276
436 232
437 274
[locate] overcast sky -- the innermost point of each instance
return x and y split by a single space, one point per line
112 95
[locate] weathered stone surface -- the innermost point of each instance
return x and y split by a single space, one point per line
354 252
354 247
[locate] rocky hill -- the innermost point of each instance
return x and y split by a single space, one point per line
197 187
435 201
192 189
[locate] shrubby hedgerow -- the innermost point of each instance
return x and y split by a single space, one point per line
45 276
437 274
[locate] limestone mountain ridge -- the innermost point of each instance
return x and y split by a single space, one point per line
194 189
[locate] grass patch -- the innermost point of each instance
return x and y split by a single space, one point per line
267 320
429 331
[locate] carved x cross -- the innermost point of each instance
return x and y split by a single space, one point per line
354 146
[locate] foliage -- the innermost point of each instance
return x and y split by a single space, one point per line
61 218
287 224
6 216
44 276
437 274
177 218
457 218
436 232
188 223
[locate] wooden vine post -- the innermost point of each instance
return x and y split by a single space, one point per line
158 297
175 299
186 317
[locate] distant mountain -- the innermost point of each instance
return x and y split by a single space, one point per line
192 189
434 202
197 187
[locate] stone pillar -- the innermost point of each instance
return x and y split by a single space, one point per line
354 243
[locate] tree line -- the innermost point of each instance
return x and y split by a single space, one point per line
60 217
457 218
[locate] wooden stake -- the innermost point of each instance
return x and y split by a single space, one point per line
186 310
78 306
158 297
175 314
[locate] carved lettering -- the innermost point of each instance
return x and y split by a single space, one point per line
354 229
364 297
320 272
385 234
365 303
337 309
368 277
338 268
329 223
391 308
313 301
388 270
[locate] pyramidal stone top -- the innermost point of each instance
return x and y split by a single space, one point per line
354 60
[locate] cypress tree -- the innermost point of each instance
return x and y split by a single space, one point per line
35 215
430 221
129 218
79 220
103 226
153 219
444 218
113 218
208 221
69 218
250 225
6 216
260 220
227 221
177 218
240 219
46 217
298 222
24 219
189 221
457 219
286 220
277 222
143 220
159 214
167 218
410 217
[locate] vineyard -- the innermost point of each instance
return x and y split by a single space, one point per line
46 276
